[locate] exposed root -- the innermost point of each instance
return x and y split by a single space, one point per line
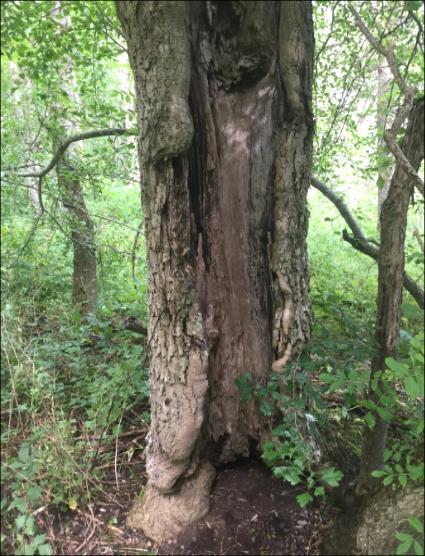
164 516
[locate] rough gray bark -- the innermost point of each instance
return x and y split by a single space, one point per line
224 112
390 284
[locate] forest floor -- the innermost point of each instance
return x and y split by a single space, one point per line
251 512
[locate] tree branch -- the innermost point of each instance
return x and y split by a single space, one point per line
404 110
359 241
403 161
340 205
419 239
133 251
387 52
73 139
62 149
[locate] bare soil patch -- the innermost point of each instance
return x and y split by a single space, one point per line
251 512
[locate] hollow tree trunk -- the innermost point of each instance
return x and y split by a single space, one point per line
224 109
393 222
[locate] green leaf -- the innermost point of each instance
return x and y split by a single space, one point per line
378 473
332 476
29 549
411 311
45 550
30 525
304 499
412 5
279 430
370 420
419 549
20 504
38 539
34 494
384 413
266 408
399 368
388 480
416 471
403 548
336 384
319 491
404 537
326 377
290 474
20 521
412 387
416 524
387 454
24 453
402 479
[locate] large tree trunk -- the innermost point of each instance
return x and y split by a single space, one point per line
224 107
393 222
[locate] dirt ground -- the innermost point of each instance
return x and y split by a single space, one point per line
251 512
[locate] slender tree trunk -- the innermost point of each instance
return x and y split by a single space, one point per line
390 285
84 284
224 107
84 280
22 115
384 159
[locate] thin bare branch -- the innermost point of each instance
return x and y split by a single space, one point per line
73 139
387 52
62 149
404 110
372 251
359 240
419 239
133 251
340 205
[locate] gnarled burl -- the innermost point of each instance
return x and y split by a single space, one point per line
224 110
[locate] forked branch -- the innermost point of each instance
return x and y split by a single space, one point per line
64 146
404 110
359 241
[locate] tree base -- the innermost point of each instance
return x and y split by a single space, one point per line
164 516
386 513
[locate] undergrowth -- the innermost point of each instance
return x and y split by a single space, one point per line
70 382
